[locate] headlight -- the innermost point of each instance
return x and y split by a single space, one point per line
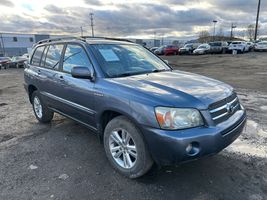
178 118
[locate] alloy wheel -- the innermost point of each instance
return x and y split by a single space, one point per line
123 148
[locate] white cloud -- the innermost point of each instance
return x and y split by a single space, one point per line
136 18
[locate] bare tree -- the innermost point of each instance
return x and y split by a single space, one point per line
221 32
204 36
251 31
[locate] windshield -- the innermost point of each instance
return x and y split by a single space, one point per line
213 44
188 46
202 47
118 60
236 42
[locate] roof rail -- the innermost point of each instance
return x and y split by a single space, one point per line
83 38
58 39
107 38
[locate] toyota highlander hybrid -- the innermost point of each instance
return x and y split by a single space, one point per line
144 111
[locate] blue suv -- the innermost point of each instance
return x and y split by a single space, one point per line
144 111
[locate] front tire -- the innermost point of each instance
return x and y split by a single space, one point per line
125 148
42 113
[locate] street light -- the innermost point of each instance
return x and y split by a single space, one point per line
232 30
214 28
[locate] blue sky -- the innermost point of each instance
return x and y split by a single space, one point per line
132 18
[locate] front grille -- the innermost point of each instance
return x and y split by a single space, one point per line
222 110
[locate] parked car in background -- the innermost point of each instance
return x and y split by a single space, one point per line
218 47
160 50
18 61
188 48
4 62
251 46
171 50
202 49
239 46
261 46
142 110
153 49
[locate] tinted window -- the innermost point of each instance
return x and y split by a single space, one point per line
236 42
43 57
37 56
53 56
75 56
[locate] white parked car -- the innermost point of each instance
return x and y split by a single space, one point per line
261 46
202 49
250 46
239 46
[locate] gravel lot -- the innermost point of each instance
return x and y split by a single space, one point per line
64 160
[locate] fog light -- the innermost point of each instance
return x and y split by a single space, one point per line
192 149
189 148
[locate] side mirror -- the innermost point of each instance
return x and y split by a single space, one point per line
81 72
166 61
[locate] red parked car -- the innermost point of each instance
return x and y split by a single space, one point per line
4 62
171 50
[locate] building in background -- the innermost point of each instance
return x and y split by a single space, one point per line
13 44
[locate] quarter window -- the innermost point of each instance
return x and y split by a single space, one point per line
75 56
37 56
53 56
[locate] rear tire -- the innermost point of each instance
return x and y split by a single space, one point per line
125 148
42 113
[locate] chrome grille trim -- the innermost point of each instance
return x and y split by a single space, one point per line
223 107
218 117
222 110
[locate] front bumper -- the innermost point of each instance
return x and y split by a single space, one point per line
172 147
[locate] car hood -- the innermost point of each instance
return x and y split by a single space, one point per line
184 48
177 88
200 50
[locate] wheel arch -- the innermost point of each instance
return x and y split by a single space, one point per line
31 89
110 113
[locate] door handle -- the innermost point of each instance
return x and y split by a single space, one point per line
39 72
61 78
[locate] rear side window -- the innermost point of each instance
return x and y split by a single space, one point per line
75 56
37 56
53 56
44 56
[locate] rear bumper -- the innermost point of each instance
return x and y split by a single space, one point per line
173 147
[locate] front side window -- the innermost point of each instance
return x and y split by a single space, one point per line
125 60
75 56
37 56
53 56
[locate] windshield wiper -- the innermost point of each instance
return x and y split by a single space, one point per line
124 74
159 70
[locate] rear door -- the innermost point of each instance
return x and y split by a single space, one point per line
49 68
77 94
33 75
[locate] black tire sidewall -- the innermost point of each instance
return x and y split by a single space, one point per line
143 162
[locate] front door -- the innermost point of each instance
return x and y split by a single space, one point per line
76 94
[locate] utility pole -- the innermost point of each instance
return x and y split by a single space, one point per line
214 29
92 23
3 46
232 29
257 20
81 31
